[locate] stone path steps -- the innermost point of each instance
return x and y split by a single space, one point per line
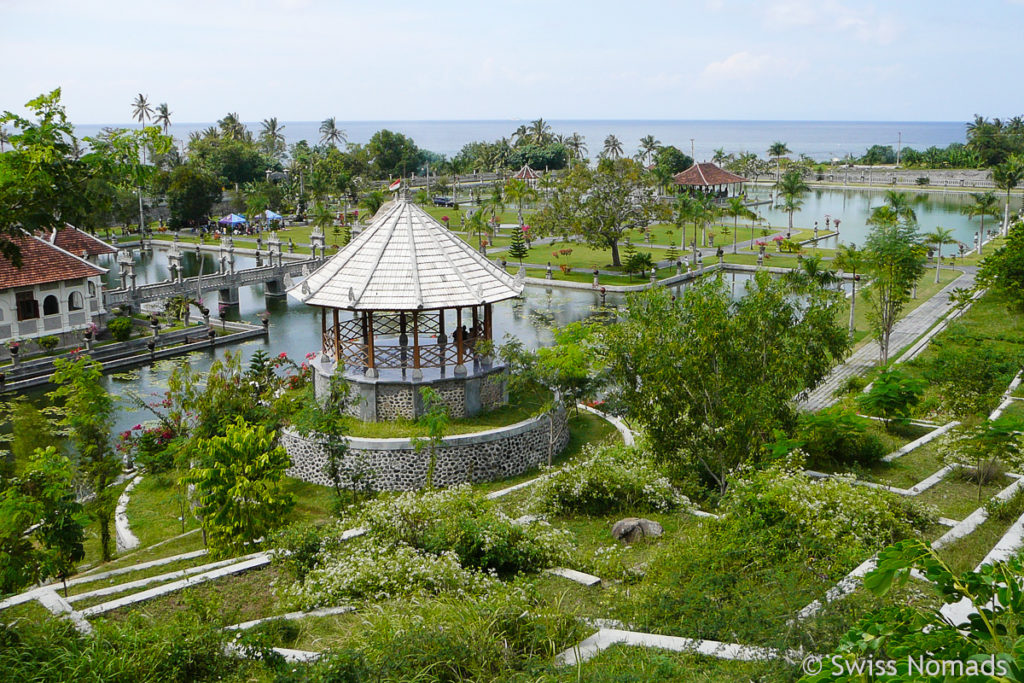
123 536
915 324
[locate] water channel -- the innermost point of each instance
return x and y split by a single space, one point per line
294 327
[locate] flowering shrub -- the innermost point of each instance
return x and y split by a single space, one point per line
611 479
372 570
461 521
833 512
612 562
147 446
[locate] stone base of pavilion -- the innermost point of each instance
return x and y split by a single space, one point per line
399 465
394 393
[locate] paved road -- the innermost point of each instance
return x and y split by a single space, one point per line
906 331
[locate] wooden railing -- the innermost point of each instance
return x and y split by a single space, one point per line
354 353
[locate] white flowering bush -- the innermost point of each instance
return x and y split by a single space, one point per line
613 562
464 522
371 570
832 512
610 479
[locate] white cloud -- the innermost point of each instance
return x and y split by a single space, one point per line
743 67
862 22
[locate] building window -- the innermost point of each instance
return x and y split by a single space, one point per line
92 290
75 302
28 307
50 305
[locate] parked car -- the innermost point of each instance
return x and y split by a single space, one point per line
444 201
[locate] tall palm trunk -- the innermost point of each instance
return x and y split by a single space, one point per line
853 300
938 263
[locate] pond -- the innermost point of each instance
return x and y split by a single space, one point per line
852 208
295 327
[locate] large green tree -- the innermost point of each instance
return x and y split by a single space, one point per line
1003 270
392 154
88 416
600 204
895 260
1007 176
239 480
190 195
710 378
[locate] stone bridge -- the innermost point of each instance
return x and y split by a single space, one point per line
276 276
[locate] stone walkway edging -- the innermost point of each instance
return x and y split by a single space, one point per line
256 561
581 578
606 637
291 616
59 606
1007 398
628 436
124 538
917 443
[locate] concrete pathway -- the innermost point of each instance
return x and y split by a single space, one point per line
916 323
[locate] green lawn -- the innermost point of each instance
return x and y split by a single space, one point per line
910 469
153 512
957 497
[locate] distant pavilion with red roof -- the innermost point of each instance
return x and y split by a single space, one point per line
528 174
55 291
710 179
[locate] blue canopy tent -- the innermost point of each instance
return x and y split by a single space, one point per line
232 219
271 216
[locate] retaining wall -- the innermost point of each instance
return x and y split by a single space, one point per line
396 465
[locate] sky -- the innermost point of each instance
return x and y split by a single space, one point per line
302 60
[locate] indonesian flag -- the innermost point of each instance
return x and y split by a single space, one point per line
395 185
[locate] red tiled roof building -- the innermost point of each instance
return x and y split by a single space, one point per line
707 177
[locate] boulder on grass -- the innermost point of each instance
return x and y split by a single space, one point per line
633 529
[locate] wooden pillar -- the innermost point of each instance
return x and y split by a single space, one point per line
369 347
416 373
476 320
323 327
459 343
488 321
337 336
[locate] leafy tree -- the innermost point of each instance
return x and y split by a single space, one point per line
372 201
901 633
638 262
985 447
436 418
320 419
191 195
600 204
810 273
44 181
895 258
710 379
1003 270
88 416
239 484
49 479
517 248
791 188
892 395
392 154
519 192
30 430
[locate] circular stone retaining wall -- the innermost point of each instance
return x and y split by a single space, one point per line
395 464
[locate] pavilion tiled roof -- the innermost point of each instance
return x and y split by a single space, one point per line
42 262
706 175
78 242
406 261
526 173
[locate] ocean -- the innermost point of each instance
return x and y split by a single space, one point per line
820 140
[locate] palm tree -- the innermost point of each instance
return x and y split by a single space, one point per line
521 134
612 147
519 192
270 133
4 139
851 259
791 187
810 274
372 201
984 205
777 150
163 116
141 111
231 127
1007 176
737 209
901 203
648 146
939 236
577 145
330 133
539 131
